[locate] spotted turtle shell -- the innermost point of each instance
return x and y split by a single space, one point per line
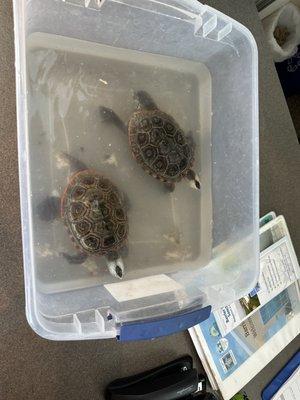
159 145
94 214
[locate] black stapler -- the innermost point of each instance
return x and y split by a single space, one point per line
175 380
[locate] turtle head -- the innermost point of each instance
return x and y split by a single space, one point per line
116 268
193 179
144 100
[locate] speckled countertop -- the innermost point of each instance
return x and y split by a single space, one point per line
33 368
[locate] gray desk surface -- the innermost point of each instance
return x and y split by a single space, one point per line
33 368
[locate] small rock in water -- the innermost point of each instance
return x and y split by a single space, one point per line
91 266
179 254
103 81
45 251
110 159
61 161
173 237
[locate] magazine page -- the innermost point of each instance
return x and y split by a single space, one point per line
237 357
279 268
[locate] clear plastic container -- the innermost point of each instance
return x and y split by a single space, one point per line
188 250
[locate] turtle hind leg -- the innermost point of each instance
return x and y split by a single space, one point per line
49 209
144 100
115 265
108 115
193 179
79 258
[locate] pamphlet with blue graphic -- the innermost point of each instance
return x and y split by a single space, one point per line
232 359
236 347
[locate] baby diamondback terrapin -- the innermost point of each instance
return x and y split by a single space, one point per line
94 213
157 142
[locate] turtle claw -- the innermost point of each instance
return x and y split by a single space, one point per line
48 209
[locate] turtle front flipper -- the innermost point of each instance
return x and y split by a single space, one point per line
115 265
108 115
144 100
79 258
49 209
193 179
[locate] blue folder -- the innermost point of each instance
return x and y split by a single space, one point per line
281 377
